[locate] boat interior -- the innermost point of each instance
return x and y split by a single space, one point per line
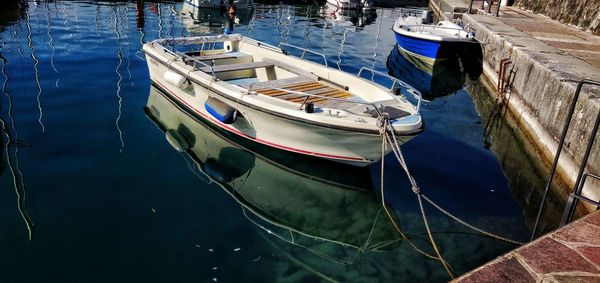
271 78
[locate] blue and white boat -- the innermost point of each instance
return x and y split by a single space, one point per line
430 42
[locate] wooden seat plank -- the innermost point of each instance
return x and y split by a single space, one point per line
301 87
236 67
281 83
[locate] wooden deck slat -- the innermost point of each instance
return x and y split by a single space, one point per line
300 88
335 94
319 99
312 87
290 87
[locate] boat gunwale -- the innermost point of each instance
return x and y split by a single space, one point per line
431 38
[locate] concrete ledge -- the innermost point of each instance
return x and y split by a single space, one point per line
544 83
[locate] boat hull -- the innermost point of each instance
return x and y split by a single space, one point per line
345 146
428 50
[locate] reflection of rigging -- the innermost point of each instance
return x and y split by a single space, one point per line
66 24
35 67
160 26
13 159
51 44
339 62
376 45
140 24
128 55
120 77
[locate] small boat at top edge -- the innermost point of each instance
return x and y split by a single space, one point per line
429 41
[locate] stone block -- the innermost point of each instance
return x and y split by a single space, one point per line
549 256
580 232
591 253
504 270
594 218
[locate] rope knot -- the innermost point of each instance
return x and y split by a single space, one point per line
382 122
416 190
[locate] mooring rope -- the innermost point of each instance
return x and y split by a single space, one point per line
417 190
386 131
404 236
383 123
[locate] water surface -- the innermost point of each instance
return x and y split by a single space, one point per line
91 191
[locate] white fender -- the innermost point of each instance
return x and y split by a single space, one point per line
175 79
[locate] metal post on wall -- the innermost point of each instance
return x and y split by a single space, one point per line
558 152
498 8
580 181
470 6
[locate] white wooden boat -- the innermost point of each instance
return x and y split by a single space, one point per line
259 92
239 4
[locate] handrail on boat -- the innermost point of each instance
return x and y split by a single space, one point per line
421 28
199 39
212 70
395 81
304 50
261 44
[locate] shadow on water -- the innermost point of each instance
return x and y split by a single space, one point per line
10 11
436 78
518 157
304 207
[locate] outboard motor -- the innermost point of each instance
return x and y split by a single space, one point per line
426 17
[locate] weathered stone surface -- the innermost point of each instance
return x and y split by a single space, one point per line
548 255
593 219
544 81
591 253
581 232
576 279
583 14
505 270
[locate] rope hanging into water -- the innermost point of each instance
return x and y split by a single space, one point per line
383 123
387 133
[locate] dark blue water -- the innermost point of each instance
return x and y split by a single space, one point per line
91 191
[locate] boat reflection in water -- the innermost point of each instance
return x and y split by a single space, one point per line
436 78
319 205
348 17
210 20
